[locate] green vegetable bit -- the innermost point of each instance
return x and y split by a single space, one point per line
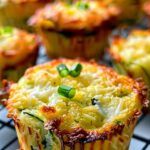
32 115
118 122
82 5
66 91
47 142
97 103
6 30
75 70
63 70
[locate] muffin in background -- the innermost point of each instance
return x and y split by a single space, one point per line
76 29
16 12
71 104
146 7
129 10
18 51
131 55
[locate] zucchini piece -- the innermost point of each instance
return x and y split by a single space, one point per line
34 148
118 122
47 142
97 103
119 68
145 76
33 115
51 141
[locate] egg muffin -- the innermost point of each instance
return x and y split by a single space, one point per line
131 55
17 12
75 29
146 7
18 50
72 104
129 12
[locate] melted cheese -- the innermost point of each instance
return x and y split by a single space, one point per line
38 89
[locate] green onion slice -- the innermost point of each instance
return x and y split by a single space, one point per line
63 70
75 70
96 102
66 91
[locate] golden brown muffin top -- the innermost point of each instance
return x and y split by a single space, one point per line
134 48
74 16
146 7
94 102
15 45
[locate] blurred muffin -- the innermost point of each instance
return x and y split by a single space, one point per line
130 10
17 12
131 55
18 50
71 104
76 29
146 7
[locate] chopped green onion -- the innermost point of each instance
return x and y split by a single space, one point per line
83 5
63 70
66 91
6 30
75 70
96 102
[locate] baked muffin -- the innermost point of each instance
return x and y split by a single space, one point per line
71 104
131 55
75 29
129 10
146 7
18 51
17 12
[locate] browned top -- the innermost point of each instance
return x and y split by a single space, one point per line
76 16
15 46
71 119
